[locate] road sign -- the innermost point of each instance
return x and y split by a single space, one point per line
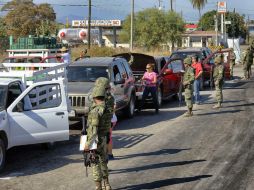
227 22
222 7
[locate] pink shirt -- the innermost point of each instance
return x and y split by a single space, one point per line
149 78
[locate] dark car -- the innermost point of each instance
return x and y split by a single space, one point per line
82 74
169 74
202 53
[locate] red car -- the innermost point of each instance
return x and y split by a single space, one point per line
169 74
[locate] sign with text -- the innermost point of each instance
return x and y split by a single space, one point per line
222 7
108 23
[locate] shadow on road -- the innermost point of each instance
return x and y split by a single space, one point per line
155 153
219 112
34 159
240 105
224 102
163 183
155 166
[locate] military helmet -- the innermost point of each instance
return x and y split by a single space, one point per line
187 60
102 82
217 59
98 91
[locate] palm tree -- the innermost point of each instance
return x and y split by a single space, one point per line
198 4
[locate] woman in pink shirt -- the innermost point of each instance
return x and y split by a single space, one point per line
150 80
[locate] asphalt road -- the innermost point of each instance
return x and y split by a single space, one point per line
212 150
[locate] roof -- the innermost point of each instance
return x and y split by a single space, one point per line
192 26
6 81
94 61
200 33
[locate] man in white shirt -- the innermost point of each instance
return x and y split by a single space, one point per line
65 55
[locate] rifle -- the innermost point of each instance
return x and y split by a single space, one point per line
180 97
90 157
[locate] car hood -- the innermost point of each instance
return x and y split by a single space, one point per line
80 88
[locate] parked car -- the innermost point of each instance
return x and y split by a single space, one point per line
82 74
202 53
169 74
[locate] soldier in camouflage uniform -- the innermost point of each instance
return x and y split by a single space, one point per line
218 76
97 129
247 62
188 80
232 58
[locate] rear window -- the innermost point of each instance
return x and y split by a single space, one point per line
183 55
86 73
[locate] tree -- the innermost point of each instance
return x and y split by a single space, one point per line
235 29
198 4
26 18
153 27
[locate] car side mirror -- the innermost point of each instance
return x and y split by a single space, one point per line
168 72
120 81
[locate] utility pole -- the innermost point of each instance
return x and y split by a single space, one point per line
222 27
216 29
89 24
171 5
132 23
248 38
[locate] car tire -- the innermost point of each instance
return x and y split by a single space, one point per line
159 97
2 154
48 145
131 107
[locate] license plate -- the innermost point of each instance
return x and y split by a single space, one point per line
72 113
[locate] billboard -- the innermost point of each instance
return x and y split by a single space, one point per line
222 7
105 23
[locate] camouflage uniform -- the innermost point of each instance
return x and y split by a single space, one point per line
232 62
188 80
218 76
97 129
247 62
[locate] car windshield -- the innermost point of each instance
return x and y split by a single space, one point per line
2 97
183 55
86 73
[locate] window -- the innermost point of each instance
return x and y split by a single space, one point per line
86 73
41 97
177 66
2 97
13 92
116 73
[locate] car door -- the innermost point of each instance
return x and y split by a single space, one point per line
118 75
178 69
39 115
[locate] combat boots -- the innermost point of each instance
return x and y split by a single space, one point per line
217 106
105 184
188 113
98 185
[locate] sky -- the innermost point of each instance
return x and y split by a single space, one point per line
119 9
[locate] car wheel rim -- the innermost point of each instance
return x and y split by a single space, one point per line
1 156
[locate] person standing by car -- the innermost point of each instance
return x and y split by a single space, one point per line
198 77
218 76
188 79
65 55
232 58
247 62
96 129
150 81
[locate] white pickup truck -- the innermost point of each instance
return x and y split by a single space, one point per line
33 108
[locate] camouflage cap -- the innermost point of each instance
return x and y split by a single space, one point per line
217 59
102 82
187 61
98 91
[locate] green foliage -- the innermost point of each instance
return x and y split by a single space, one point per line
235 29
153 27
26 18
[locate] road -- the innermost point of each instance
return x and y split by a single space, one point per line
212 150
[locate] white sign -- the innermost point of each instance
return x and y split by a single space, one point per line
222 7
228 22
80 23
